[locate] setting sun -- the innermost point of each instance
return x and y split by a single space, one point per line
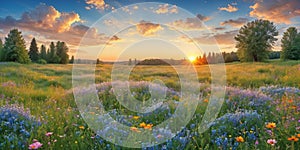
192 58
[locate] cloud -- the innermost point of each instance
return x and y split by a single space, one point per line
48 23
279 11
147 28
219 28
191 23
98 4
226 38
43 17
229 8
235 22
166 8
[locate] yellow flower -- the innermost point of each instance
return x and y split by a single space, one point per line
135 129
81 127
136 117
271 125
76 142
293 138
143 124
240 139
148 126
229 136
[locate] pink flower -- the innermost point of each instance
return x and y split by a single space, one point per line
271 142
49 133
256 142
35 145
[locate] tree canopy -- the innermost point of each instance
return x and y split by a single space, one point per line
290 44
255 40
14 47
33 51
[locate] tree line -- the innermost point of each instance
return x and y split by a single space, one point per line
14 49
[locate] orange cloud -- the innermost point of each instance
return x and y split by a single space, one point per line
166 8
235 22
47 23
147 28
229 8
98 4
279 11
195 23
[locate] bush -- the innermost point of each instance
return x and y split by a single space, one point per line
42 61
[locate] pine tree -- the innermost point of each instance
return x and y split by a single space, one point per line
71 60
14 47
43 54
52 56
33 51
1 51
255 40
62 52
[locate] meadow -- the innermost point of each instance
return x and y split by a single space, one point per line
260 111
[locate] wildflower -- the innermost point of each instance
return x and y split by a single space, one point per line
142 125
134 129
298 135
49 133
271 125
271 142
148 126
35 145
206 100
76 142
81 127
256 142
290 101
293 138
136 117
240 139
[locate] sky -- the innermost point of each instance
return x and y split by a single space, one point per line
119 30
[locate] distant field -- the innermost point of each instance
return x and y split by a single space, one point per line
46 91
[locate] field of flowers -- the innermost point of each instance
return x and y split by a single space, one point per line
261 108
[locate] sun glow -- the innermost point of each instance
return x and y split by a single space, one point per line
192 58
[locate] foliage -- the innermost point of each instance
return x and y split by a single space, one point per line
14 47
274 55
43 54
62 52
52 54
33 51
42 61
290 44
1 51
255 40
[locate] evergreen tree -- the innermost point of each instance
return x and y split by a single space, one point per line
255 40
62 52
33 51
43 54
52 56
290 44
14 47
72 60
1 51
